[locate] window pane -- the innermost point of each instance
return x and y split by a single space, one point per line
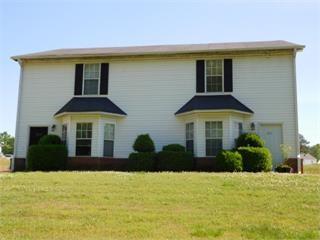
213 146
109 132
189 146
108 148
83 147
90 87
214 84
91 71
64 134
189 131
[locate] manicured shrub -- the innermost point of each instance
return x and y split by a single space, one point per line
256 159
142 161
47 157
50 139
283 168
174 148
229 161
174 161
143 143
249 140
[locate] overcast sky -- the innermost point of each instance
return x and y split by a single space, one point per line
31 26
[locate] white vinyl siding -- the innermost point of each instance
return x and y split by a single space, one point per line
150 92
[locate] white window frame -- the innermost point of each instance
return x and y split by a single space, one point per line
205 123
84 139
114 136
83 79
186 138
222 74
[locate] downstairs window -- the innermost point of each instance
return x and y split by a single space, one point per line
83 139
189 137
213 137
108 140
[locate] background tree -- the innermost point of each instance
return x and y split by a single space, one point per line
7 142
304 144
315 151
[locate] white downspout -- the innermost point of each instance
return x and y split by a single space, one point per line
296 109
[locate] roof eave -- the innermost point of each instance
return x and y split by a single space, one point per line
66 56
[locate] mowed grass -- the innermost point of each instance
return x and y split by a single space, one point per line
118 205
311 169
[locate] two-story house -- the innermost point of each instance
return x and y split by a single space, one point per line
201 96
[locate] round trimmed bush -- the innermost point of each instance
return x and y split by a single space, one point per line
249 140
47 157
143 143
256 159
229 161
174 148
142 161
49 139
283 168
174 161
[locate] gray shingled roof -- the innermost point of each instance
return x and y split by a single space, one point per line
160 49
214 102
90 104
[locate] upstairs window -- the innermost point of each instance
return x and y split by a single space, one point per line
91 78
213 138
214 75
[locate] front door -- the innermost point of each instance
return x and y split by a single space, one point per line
272 135
36 133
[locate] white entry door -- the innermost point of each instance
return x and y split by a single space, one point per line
272 135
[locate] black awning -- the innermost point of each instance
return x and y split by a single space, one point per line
213 102
90 104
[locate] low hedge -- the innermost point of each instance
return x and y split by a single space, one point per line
47 157
174 148
49 139
142 161
229 161
174 161
256 159
249 140
143 143
283 168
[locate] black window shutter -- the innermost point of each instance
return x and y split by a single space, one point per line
228 81
200 76
104 77
78 79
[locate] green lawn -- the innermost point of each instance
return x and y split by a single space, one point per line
115 205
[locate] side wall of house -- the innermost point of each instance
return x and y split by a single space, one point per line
151 91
